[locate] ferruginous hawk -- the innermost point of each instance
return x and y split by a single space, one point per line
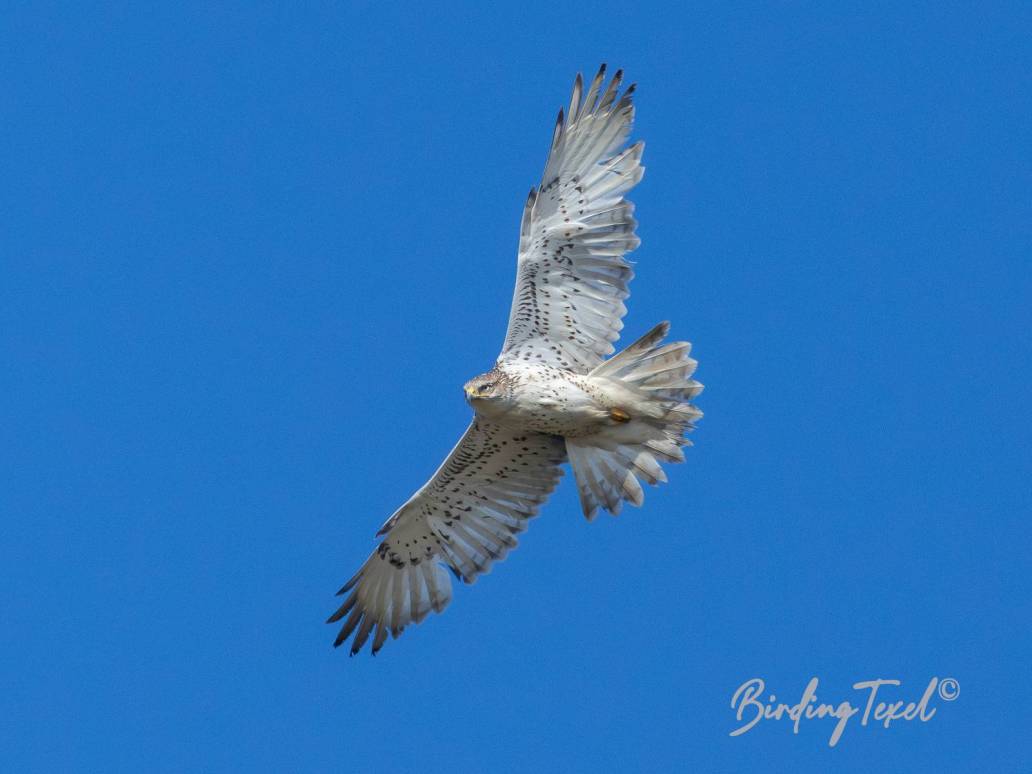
551 396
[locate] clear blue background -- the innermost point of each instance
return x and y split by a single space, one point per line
249 254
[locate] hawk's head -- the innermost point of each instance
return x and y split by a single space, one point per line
486 387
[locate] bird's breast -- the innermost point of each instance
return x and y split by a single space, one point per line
553 404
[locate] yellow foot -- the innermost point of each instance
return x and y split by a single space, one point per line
619 415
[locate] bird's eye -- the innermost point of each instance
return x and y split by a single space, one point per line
486 387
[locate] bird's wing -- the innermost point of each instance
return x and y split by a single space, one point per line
465 517
571 276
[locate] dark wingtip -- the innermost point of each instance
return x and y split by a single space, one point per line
601 70
630 89
619 75
350 584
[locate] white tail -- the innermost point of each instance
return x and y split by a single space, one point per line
656 381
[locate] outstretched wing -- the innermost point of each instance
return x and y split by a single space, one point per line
571 275
465 516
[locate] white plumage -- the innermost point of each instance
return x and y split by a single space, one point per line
551 395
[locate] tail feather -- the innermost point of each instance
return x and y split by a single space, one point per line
609 464
632 354
602 480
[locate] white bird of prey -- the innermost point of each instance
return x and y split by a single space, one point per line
551 395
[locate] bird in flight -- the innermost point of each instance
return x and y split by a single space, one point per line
551 395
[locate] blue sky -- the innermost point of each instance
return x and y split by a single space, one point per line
249 254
